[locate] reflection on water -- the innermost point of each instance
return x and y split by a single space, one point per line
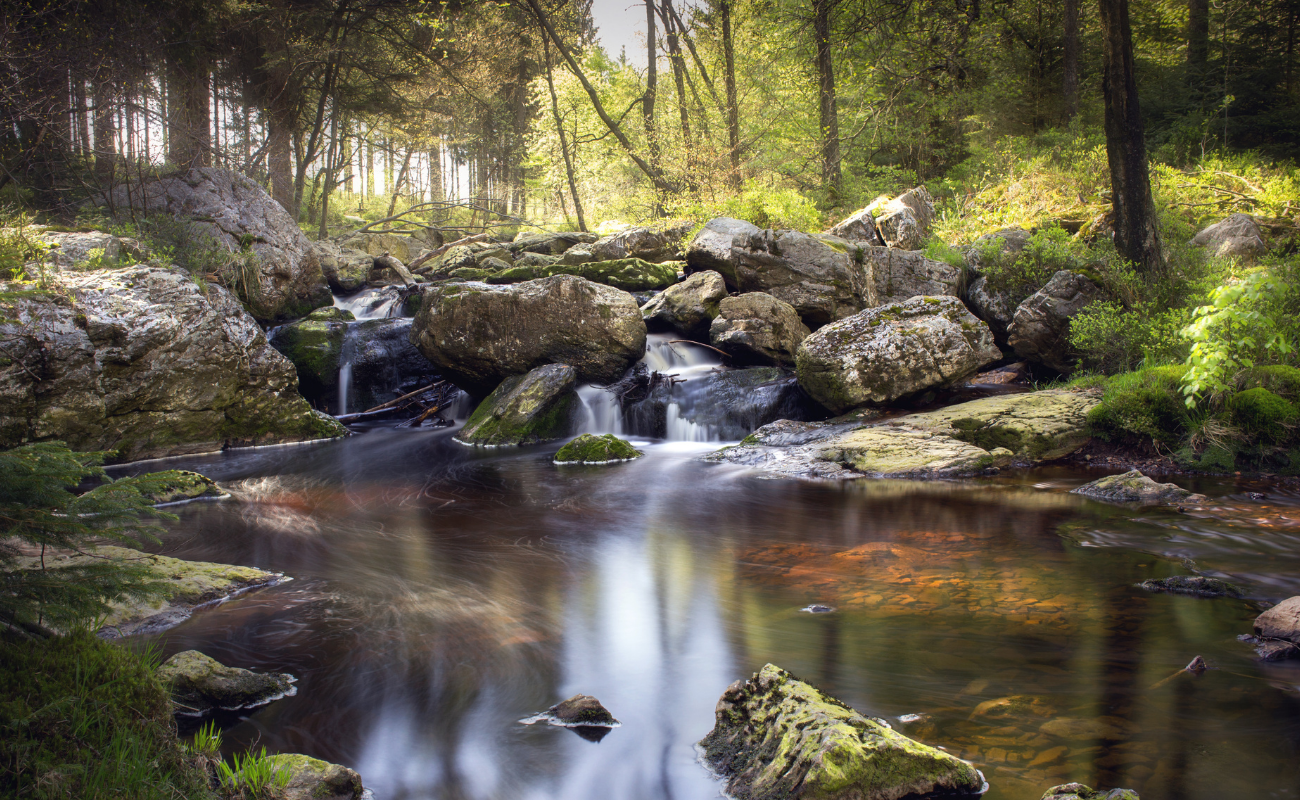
443 593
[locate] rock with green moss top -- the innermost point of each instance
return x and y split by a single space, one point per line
885 353
458 257
1040 329
493 265
179 485
313 779
1262 415
778 737
314 347
628 274
650 244
688 307
477 334
540 406
590 448
548 242
1077 791
1134 487
578 254
471 274
757 328
1197 585
534 260
332 314
199 684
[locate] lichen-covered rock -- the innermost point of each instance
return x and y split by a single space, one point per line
859 228
629 274
646 244
477 335
1134 487
590 448
687 307
1035 426
903 451
526 409
75 249
904 222
1197 585
778 737
239 216
1077 791
1041 326
178 486
549 243
1235 237
535 260
402 247
1010 242
199 684
885 353
902 274
578 254
332 314
313 779
818 275
459 257
314 347
346 271
1282 621
144 361
756 328
993 305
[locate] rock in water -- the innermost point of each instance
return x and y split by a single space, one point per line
1077 791
178 486
687 307
314 347
1235 237
477 335
240 216
590 448
313 779
199 684
756 328
346 271
1041 326
1134 487
1197 585
145 361
778 737
1282 621
526 409
885 353
581 709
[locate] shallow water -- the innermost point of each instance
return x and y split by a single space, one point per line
443 593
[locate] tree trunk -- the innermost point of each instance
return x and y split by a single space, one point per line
733 109
188 122
679 73
830 124
279 158
1198 40
105 155
564 143
1136 235
652 82
1070 83
401 178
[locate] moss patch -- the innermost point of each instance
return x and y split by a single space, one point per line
178 485
1263 415
592 449
1141 407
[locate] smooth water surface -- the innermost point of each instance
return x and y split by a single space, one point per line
442 593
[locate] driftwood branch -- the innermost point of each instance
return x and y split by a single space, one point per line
699 344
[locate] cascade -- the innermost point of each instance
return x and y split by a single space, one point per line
376 302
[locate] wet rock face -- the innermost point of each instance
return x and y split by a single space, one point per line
1197 585
477 335
592 449
818 275
239 215
687 307
778 737
729 404
1077 791
1134 487
903 274
526 409
144 361
1235 237
313 346
1040 329
313 779
757 329
384 362
885 353
581 709
199 684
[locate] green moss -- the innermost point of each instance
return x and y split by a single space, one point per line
525 409
1263 415
1279 379
332 314
176 485
592 449
1142 407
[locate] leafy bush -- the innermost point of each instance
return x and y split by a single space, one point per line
1144 409
1111 338
19 246
764 205
1019 275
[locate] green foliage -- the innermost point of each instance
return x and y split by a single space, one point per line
1143 408
40 514
1262 415
206 742
1111 338
1049 250
765 205
20 246
252 776
937 250
83 718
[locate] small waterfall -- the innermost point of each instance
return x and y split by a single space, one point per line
345 370
376 302
603 413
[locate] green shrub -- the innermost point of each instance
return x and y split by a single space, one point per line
1262 415
1049 250
1111 338
938 250
1143 408
20 246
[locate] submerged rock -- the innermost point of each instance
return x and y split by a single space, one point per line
1134 487
1077 791
757 328
526 409
778 737
1234 237
1040 329
199 684
885 353
1197 585
179 485
313 779
590 448
687 307
144 361
581 709
477 335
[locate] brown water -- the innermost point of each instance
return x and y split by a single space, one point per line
440 594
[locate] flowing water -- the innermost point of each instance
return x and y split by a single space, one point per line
441 593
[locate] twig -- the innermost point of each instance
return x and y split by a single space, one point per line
432 254
699 344
397 401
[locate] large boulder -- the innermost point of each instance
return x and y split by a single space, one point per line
885 353
313 779
756 328
818 275
76 248
904 222
993 305
549 243
240 217
1282 621
687 307
144 361
859 228
900 274
1235 237
540 406
1040 330
199 684
646 244
1005 245
346 271
778 737
477 335
400 246
314 347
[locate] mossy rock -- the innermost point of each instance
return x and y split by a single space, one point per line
1077 791
314 347
1277 378
179 485
313 779
1197 585
199 684
628 274
596 449
778 737
471 273
526 409
1262 415
1134 487
1141 407
332 314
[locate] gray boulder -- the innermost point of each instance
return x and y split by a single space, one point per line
900 274
549 243
199 684
144 361
904 222
313 779
540 406
646 244
494 251
477 335
239 216
818 275
859 228
687 307
756 328
1040 329
74 249
778 737
459 257
400 246
346 271
535 260
384 362
1282 621
314 347
1010 242
885 353
578 254
1134 487
994 306
1235 237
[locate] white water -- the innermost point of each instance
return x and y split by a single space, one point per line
345 382
379 302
